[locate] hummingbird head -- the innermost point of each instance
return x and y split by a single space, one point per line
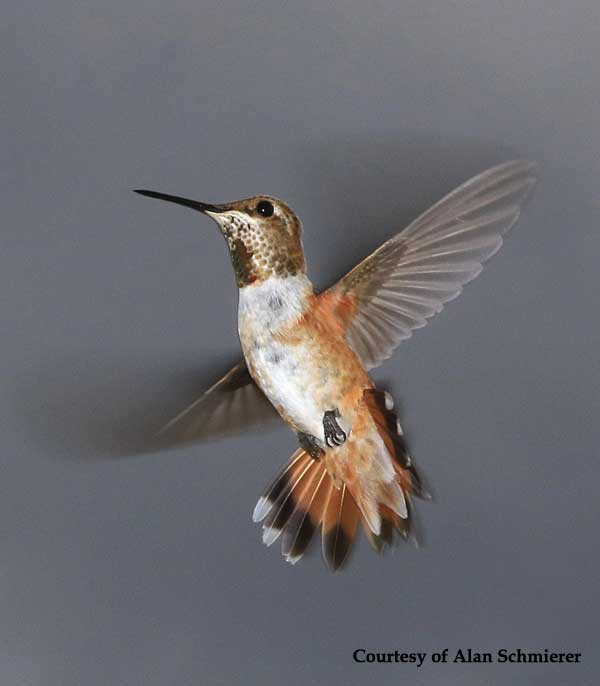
263 234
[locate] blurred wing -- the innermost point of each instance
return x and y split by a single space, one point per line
410 277
233 404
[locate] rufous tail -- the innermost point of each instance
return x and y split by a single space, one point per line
303 498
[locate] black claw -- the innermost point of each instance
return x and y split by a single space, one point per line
311 445
334 435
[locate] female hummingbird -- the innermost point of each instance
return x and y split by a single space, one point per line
307 355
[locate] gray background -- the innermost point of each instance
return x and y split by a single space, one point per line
116 310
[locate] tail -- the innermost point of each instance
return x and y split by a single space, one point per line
381 407
303 498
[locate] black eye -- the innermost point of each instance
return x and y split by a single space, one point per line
265 208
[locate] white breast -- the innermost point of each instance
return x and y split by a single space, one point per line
280 370
269 306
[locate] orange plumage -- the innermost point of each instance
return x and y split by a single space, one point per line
307 355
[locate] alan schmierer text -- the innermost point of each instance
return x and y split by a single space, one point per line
465 656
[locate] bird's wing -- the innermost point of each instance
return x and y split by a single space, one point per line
231 405
410 277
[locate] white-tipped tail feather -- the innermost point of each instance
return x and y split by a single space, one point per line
303 498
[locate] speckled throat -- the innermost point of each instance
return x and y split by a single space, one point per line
260 250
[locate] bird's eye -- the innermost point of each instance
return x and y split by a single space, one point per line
265 208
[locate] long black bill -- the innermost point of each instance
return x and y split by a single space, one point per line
193 204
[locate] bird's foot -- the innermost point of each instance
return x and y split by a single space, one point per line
334 435
311 444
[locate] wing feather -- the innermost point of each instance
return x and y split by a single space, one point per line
411 276
232 404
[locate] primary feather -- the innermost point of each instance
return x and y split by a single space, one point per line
413 274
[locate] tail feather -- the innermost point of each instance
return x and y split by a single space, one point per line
339 527
285 504
390 523
304 498
276 488
391 526
394 499
381 406
369 509
307 515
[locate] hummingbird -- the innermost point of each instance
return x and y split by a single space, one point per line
307 356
